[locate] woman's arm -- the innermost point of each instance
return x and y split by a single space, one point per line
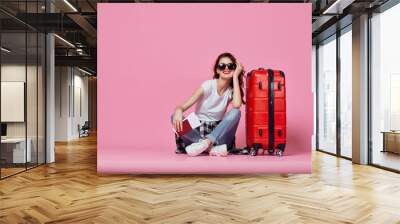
192 100
178 116
237 98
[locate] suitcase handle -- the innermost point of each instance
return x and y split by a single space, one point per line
260 85
260 132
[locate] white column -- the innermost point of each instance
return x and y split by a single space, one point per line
314 91
360 90
50 100
63 102
50 92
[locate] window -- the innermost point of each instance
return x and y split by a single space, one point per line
327 95
385 89
346 93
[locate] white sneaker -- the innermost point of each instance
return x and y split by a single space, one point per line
219 150
197 148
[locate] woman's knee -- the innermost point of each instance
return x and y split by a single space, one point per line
234 114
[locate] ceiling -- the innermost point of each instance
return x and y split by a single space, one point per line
76 22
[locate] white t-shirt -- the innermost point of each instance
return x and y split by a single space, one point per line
212 107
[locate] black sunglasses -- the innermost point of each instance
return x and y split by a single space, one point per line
222 66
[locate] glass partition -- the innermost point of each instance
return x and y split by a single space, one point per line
32 95
14 153
41 107
385 89
346 93
22 89
327 95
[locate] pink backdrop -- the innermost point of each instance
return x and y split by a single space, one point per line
151 57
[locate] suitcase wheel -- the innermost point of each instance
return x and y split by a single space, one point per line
256 149
253 152
281 148
271 151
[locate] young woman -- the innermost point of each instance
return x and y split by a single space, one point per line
216 133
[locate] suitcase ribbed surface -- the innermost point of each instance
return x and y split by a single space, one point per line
266 109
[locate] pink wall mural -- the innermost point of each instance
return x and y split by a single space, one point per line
151 57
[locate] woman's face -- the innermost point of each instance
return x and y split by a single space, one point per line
227 72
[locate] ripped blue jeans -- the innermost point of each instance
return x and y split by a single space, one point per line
223 133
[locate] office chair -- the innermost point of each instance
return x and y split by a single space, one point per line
84 130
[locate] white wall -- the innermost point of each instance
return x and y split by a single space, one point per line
62 81
33 127
9 73
16 72
70 83
81 100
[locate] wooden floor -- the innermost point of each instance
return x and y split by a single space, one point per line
70 191
386 159
5 172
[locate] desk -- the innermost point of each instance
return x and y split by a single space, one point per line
391 141
13 150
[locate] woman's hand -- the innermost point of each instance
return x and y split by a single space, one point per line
237 98
178 117
238 70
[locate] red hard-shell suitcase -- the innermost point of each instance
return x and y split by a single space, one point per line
266 111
